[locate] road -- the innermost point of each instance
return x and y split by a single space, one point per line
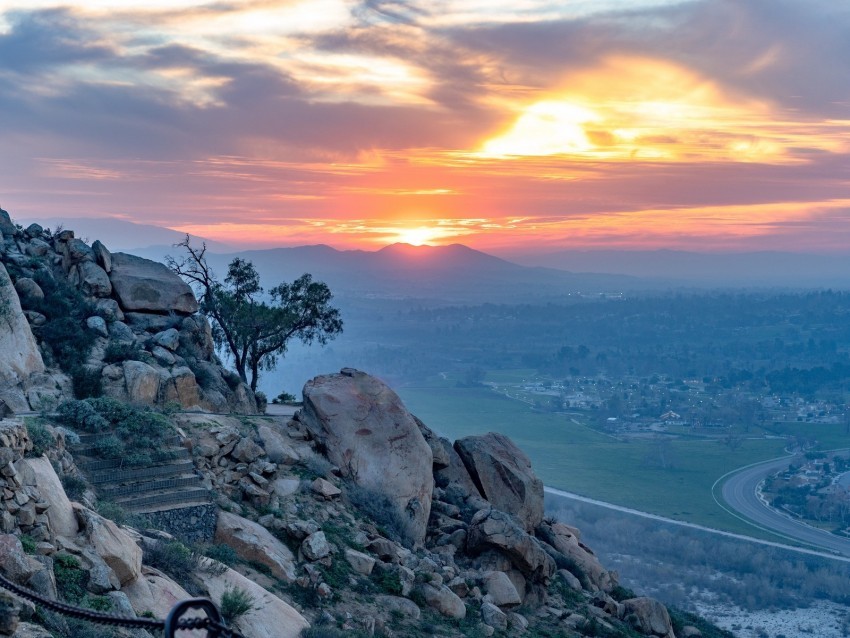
740 499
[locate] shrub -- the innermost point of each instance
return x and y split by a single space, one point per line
176 560
87 382
381 511
222 553
236 603
262 401
314 466
74 486
28 543
285 397
118 351
42 439
70 578
113 512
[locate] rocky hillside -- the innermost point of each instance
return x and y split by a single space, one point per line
81 321
348 518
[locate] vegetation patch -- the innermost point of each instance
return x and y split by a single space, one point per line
139 436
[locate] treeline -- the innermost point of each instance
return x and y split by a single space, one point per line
680 565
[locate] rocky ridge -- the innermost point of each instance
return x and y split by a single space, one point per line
80 320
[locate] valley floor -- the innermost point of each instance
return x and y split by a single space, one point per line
823 620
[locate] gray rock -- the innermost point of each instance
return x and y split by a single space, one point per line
493 616
28 291
109 309
76 251
102 256
315 547
148 286
34 230
360 562
37 248
503 474
398 604
169 339
501 590
375 442
494 529
277 449
91 279
648 616
163 356
7 228
444 600
142 382
120 331
98 326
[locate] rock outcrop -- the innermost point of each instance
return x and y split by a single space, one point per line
503 475
20 357
365 430
149 346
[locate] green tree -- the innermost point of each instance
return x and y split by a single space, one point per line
254 325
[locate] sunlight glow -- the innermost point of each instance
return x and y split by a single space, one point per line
644 109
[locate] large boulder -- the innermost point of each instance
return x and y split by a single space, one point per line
143 285
253 543
270 618
19 353
367 432
565 539
115 546
91 279
444 600
40 474
154 592
494 529
503 475
649 617
142 382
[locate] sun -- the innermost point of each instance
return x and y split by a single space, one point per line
417 236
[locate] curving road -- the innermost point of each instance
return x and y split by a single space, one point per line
739 494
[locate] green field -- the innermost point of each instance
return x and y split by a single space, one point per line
576 458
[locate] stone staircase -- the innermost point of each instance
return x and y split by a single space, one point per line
164 485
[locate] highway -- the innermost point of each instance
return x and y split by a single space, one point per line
739 498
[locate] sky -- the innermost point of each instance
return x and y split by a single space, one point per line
522 126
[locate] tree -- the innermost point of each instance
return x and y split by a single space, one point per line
255 332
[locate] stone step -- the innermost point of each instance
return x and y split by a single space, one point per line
93 465
164 498
183 481
115 476
87 440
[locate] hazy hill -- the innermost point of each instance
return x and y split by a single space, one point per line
765 268
452 273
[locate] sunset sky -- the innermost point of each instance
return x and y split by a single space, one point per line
508 126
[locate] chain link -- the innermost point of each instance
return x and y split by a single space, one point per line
213 628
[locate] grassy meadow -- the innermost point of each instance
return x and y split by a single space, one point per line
671 479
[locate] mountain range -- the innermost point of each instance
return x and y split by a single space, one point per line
458 273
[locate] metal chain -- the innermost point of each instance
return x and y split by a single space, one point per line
214 628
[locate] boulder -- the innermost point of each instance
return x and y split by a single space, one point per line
503 475
375 442
169 339
246 451
154 592
493 616
501 590
271 616
648 616
40 474
494 529
109 309
276 446
121 332
14 563
29 292
76 251
91 279
37 247
97 325
149 286
102 256
31 630
565 540
360 562
180 386
142 382
252 542
444 600
315 546
7 228
403 606
111 543
19 353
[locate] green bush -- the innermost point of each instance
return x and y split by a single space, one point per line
222 553
236 603
42 439
118 351
87 382
28 543
70 578
74 486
